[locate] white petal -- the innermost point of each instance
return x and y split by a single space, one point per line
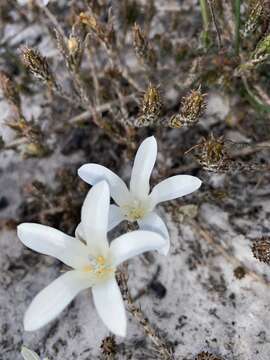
110 307
93 173
54 298
49 241
153 222
29 354
134 243
115 216
142 168
174 187
94 219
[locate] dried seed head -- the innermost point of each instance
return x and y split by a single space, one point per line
9 90
206 356
261 250
109 346
191 110
37 64
143 48
151 106
140 41
213 155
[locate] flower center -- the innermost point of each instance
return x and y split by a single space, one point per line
99 267
135 210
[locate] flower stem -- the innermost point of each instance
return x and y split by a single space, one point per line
162 348
237 26
205 18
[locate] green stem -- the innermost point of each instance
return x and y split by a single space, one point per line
205 18
237 26
205 15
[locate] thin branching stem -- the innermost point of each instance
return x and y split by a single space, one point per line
237 26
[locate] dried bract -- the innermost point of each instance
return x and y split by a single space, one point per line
151 107
261 250
191 110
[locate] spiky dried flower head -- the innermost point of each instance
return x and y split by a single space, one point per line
109 346
212 154
9 90
191 110
261 249
204 355
142 47
37 64
151 106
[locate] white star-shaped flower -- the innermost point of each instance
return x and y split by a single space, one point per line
137 204
94 263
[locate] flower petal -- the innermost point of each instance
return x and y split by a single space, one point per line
29 354
153 222
54 298
49 241
115 216
142 168
94 218
93 173
110 307
134 243
174 187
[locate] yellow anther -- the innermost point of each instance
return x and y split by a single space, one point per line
100 260
88 268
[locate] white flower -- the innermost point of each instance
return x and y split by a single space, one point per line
29 354
137 204
94 263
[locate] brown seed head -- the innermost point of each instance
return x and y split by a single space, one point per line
9 89
191 110
140 41
213 155
151 106
261 250
109 346
37 64
204 355
143 48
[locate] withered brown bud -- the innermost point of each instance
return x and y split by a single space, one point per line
109 346
37 64
261 250
191 110
206 356
151 106
9 89
143 48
